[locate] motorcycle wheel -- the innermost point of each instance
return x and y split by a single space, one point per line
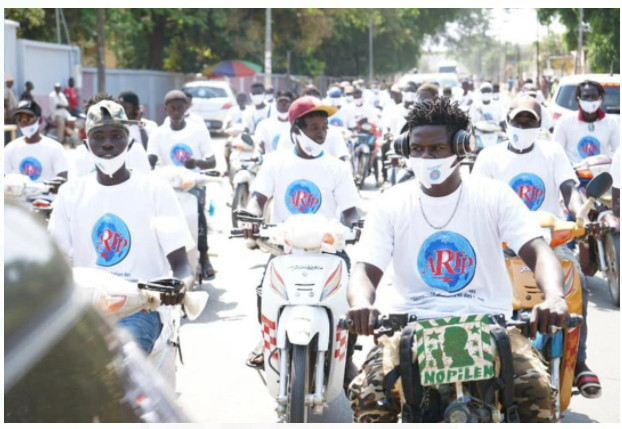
362 169
297 411
378 170
611 244
240 199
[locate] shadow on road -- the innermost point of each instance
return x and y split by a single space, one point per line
214 307
600 295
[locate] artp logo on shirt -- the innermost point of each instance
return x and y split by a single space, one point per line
435 174
275 141
446 261
31 167
588 146
336 122
302 197
530 188
488 116
180 153
111 239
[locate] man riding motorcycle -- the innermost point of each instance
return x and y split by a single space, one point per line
444 234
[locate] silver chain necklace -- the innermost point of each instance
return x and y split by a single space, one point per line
450 217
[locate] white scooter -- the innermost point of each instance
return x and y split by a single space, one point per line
244 165
117 298
304 295
182 180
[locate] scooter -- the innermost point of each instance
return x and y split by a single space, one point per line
365 148
304 293
601 251
559 349
244 165
118 298
183 180
34 196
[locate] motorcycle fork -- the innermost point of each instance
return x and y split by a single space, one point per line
602 265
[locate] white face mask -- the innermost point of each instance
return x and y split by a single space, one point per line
30 130
283 116
590 106
433 171
258 99
335 101
269 98
486 96
521 138
358 102
109 166
349 98
308 145
496 96
409 97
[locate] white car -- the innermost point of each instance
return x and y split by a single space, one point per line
563 100
440 79
211 100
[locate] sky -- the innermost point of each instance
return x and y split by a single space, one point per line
520 25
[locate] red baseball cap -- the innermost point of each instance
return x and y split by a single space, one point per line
307 104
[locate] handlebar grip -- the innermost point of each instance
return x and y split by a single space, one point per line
573 320
345 323
236 233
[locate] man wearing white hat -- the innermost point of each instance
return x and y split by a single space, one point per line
59 110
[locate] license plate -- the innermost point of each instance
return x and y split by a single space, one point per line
454 349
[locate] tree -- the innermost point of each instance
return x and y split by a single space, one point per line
601 40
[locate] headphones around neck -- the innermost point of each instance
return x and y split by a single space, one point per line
463 143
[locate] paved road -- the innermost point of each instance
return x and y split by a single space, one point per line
215 386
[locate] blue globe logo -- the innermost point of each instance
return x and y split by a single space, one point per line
275 141
446 261
530 188
31 167
180 153
335 122
302 197
588 146
435 174
111 240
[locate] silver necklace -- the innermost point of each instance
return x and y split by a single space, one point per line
450 217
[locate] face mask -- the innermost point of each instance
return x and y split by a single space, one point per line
335 101
486 96
433 171
590 106
30 130
257 99
521 138
283 116
409 97
349 98
269 98
309 146
496 96
109 166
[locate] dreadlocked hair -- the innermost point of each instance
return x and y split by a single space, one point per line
97 98
440 111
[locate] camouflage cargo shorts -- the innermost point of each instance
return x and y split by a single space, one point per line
534 394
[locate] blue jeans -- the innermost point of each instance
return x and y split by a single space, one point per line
144 327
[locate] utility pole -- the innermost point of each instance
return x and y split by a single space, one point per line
101 52
537 53
289 69
268 56
578 65
57 26
371 49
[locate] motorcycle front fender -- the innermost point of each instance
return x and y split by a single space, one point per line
242 176
300 323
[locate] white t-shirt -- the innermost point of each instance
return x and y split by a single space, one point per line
54 100
615 169
460 269
365 111
321 185
83 163
96 227
40 161
149 127
583 139
535 176
334 144
189 116
252 116
486 112
233 117
394 118
344 118
175 147
269 132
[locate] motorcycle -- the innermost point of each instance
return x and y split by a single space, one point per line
118 298
244 165
365 149
487 133
75 127
601 252
183 180
397 171
34 196
558 349
439 378
304 292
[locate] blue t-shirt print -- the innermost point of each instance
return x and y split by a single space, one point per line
31 167
303 197
446 261
111 239
530 188
180 152
588 146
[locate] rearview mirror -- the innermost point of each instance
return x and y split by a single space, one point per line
599 185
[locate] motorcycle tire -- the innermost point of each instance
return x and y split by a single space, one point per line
378 171
611 244
240 200
362 170
297 411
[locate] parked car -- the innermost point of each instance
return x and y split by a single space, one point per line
63 363
440 79
563 100
211 99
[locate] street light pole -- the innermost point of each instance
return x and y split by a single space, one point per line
268 56
579 62
101 52
371 49
537 53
